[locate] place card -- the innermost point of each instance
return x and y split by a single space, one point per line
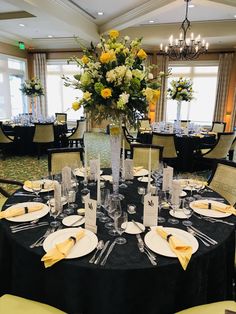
167 178
90 214
129 169
150 211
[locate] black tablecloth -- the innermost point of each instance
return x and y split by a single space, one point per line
23 141
185 147
128 283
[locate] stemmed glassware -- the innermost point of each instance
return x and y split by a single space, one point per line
174 206
120 222
188 211
161 196
142 192
105 199
37 187
71 197
113 209
54 212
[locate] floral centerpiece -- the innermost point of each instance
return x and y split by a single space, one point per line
181 89
32 87
117 86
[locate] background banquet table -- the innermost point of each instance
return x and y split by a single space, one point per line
185 146
23 141
128 283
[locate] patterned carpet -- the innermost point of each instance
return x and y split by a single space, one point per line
22 168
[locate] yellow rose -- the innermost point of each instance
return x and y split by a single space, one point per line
114 33
87 96
106 93
85 59
179 89
76 105
105 57
142 54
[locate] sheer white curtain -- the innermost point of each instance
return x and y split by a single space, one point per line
233 114
161 104
40 70
225 67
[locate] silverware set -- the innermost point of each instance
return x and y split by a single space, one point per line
102 248
213 220
144 249
23 227
204 238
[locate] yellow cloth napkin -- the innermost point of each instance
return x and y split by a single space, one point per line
18 211
36 184
182 250
137 169
61 250
208 205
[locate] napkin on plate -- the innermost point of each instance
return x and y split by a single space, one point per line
182 250
137 169
18 211
208 205
61 250
45 185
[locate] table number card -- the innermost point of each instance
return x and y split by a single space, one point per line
90 214
167 178
150 211
129 169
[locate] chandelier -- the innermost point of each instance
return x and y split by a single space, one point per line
185 48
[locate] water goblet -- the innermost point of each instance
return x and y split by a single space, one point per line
37 187
105 198
71 197
142 192
161 196
120 222
174 207
54 212
113 209
188 211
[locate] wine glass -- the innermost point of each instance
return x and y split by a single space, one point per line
71 197
105 198
36 187
188 211
142 192
54 212
161 196
113 209
175 203
120 222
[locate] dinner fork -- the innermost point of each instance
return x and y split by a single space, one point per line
142 250
42 237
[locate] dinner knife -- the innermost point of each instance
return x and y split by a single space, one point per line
137 225
41 224
97 260
142 243
103 262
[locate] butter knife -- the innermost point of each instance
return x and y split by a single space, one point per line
97 260
41 224
137 225
103 262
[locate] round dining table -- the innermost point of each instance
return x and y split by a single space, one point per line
128 283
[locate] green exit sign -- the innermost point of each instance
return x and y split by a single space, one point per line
21 45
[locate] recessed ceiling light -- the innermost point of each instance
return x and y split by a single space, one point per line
50 36
100 13
22 25
191 6
151 21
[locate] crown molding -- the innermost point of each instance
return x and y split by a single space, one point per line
231 3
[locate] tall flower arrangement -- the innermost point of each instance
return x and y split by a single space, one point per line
32 87
181 89
114 79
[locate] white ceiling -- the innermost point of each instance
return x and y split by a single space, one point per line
215 20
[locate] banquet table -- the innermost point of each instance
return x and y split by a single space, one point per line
185 146
23 141
128 283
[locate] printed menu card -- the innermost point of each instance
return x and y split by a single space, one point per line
150 211
90 214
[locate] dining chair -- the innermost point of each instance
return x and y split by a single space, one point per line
4 194
144 124
77 135
223 180
205 158
232 149
218 126
169 150
5 140
12 304
58 158
43 134
140 155
61 117
221 307
128 140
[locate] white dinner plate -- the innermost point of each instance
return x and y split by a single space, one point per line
107 178
178 214
29 216
185 184
69 220
82 247
133 229
49 182
183 194
209 212
144 179
63 201
80 172
140 173
159 245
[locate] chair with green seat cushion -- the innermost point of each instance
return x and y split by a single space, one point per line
10 304
43 134
5 140
212 308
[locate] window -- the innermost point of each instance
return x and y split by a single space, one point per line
59 97
204 76
12 75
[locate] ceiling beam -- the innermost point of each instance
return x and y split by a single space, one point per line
134 16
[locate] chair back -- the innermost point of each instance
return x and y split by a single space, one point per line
144 123
61 117
223 180
79 131
140 154
126 137
221 149
58 158
44 133
168 143
4 139
218 126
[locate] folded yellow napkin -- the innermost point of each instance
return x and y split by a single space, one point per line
61 250
208 205
18 211
182 250
137 169
37 184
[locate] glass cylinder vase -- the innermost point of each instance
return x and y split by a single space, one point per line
178 114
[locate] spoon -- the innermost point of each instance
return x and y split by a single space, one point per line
197 236
25 224
99 248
